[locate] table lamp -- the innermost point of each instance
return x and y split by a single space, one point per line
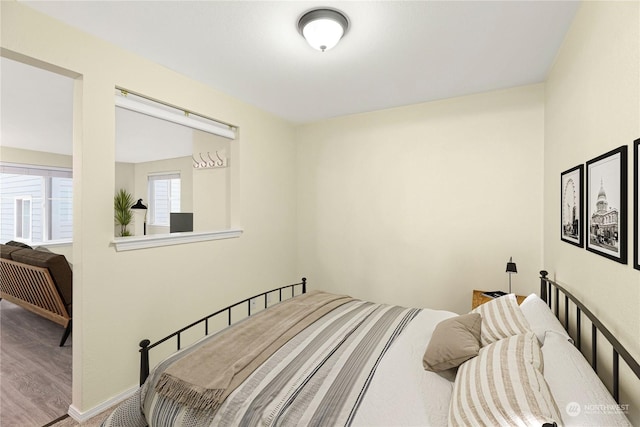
511 269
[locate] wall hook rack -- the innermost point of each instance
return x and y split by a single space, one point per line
209 162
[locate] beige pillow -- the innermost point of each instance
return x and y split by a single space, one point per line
501 318
453 342
504 386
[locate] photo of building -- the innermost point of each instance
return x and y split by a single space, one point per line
603 226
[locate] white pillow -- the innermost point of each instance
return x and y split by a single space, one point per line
580 395
501 318
541 319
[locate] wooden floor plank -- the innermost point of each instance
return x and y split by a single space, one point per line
35 373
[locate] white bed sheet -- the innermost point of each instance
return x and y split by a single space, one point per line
401 381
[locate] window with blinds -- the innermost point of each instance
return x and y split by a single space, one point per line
164 197
36 204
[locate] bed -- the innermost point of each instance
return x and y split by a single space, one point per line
315 358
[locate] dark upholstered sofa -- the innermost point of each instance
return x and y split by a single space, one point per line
39 281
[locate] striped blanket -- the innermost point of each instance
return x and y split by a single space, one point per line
319 377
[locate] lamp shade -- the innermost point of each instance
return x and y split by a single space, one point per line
511 266
323 28
139 205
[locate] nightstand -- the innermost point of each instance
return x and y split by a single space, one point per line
479 298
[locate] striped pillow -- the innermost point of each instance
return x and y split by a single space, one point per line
503 386
501 318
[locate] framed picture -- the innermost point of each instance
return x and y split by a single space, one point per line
636 222
571 206
607 205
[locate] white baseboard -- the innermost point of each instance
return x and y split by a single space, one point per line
86 415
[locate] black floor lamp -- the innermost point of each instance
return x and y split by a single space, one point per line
140 205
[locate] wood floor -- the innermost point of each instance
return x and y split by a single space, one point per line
35 373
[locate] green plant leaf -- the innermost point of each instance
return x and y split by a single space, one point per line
122 203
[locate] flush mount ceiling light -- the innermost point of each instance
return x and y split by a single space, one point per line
323 28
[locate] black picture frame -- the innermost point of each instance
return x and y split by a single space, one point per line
572 206
606 208
636 222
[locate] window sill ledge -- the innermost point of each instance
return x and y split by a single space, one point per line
156 240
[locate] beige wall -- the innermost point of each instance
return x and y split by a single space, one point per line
211 187
422 204
30 157
125 177
593 106
122 297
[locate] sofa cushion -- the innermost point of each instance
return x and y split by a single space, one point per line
7 250
18 244
57 265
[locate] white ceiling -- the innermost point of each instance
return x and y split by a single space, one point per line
36 113
36 109
395 52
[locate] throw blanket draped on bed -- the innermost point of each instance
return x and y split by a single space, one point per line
204 378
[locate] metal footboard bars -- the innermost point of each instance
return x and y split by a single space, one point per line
146 345
552 298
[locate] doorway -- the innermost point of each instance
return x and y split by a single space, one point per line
36 210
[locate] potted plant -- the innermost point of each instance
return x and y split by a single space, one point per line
122 205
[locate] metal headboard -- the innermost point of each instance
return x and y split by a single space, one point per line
145 345
550 292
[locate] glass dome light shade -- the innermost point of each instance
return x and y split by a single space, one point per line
322 34
323 28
